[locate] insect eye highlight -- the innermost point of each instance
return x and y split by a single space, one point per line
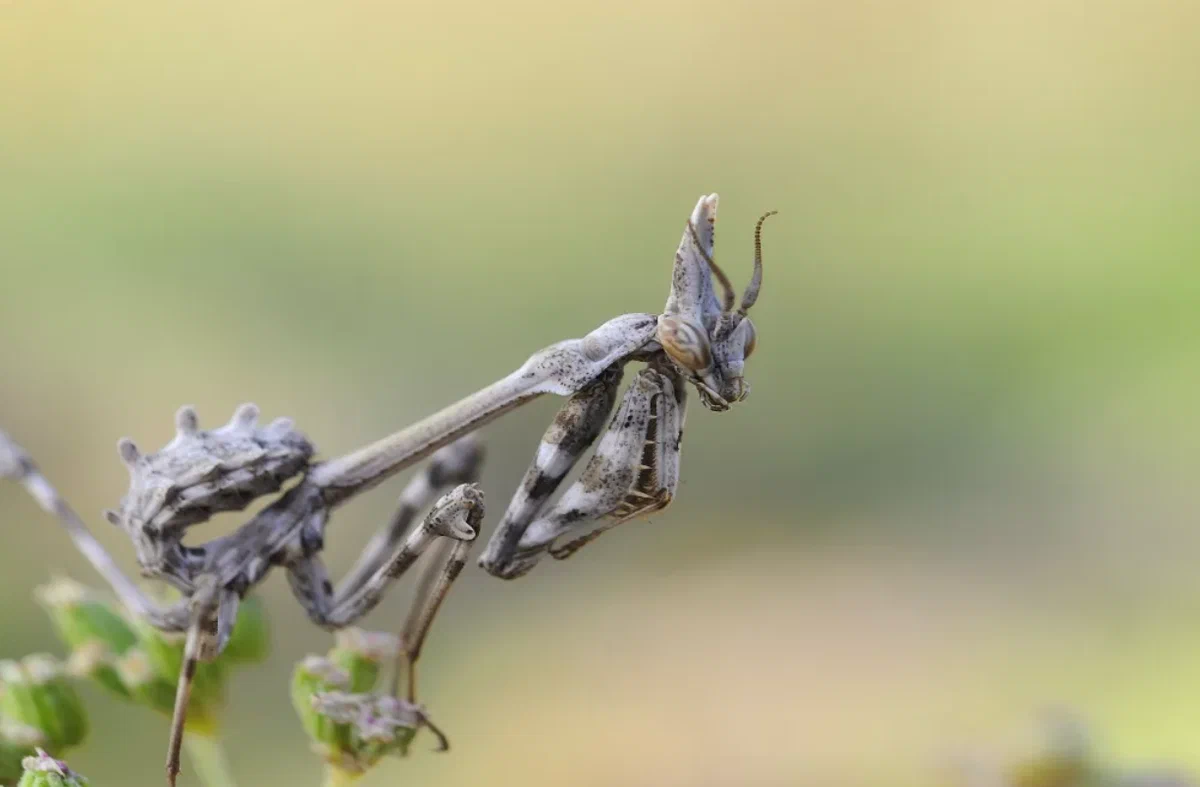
686 343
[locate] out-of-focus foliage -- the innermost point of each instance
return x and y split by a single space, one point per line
39 709
1063 754
133 660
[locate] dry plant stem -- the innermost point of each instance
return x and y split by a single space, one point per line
204 642
207 756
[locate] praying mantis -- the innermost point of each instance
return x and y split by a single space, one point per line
700 340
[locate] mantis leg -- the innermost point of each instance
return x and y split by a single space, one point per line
575 428
634 472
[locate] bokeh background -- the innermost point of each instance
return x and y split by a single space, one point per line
964 485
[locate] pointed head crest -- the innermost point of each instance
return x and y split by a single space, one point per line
706 339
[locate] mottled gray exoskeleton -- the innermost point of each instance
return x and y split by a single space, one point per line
698 339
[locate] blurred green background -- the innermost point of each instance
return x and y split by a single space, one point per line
963 487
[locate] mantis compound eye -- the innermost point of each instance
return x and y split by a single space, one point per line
686 343
750 337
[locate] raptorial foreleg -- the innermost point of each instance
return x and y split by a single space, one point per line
634 472
575 428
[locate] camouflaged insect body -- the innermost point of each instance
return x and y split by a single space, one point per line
201 473
700 339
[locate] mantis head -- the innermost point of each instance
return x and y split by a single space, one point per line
706 339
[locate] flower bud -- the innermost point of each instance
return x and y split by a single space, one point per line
375 725
316 675
82 616
36 693
360 653
150 672
42 770
17 741
146 686
92 626
388 726
58 701
351 726
95 660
